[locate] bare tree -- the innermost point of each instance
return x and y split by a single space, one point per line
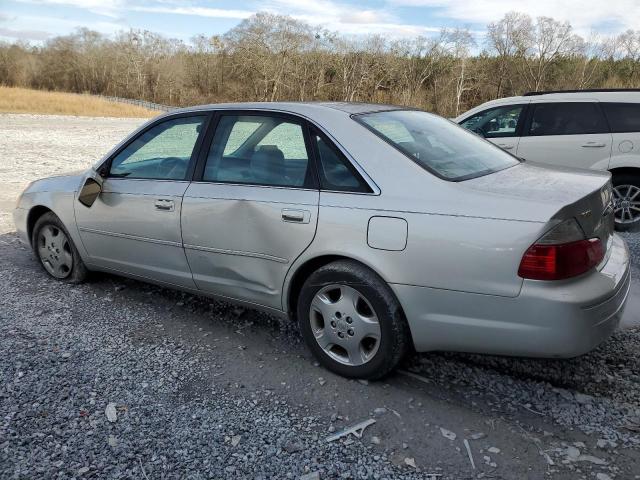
508 39
273 57
461 42
550 42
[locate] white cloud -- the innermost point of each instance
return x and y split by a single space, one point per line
584 15
196 11
350 19
346 19
39 28
109 8
37 35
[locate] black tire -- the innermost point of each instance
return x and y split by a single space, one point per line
395 339
626 179
77 272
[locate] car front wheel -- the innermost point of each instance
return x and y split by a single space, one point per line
55 250
351 321
626 195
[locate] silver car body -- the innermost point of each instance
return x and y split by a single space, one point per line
449 250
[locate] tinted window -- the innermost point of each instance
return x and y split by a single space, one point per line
496 122
163 152
258 150
336 172
438 145
623 117
567 119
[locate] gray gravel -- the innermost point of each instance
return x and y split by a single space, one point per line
597 393
64 369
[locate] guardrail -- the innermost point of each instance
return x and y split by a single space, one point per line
139 103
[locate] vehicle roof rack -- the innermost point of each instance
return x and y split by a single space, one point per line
586 90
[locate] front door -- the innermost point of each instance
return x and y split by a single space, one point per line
253 207
134 225
500 125
571 134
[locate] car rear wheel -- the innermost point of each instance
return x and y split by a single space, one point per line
55 250
626 194
351 321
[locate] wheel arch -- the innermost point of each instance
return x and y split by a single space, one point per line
35 213
625 171
303 271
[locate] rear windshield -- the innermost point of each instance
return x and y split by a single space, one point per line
438 145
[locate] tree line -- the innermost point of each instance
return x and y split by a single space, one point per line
271 57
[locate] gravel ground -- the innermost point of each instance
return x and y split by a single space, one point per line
201 389
68 365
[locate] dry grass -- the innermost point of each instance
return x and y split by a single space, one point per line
22 100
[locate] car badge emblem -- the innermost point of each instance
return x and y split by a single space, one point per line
586 214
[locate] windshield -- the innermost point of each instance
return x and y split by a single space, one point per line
438 145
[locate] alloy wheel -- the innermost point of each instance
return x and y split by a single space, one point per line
345 324
627 203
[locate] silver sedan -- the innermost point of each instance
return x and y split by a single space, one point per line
379 229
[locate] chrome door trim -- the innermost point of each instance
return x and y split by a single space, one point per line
236 184
240 253
130 237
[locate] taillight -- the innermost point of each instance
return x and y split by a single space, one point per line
561 253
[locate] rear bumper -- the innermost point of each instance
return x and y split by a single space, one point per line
548 319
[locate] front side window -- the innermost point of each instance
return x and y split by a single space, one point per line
495 122
623 117
259 150
162 152
567 119
438 145
336 172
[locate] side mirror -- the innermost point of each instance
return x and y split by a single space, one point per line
89 192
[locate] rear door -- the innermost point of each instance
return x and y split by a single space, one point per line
252 208
624 121
134 225
500 125
571 134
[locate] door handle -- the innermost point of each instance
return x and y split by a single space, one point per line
593 145
295 216
166 205
505 146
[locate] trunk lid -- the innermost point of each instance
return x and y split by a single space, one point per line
551 195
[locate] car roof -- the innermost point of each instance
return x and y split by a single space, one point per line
302 108
622 96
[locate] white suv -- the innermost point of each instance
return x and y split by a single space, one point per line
597 129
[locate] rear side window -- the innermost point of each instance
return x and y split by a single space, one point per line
567 119
496 122
336 172
623 117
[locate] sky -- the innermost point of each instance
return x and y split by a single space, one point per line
36 21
